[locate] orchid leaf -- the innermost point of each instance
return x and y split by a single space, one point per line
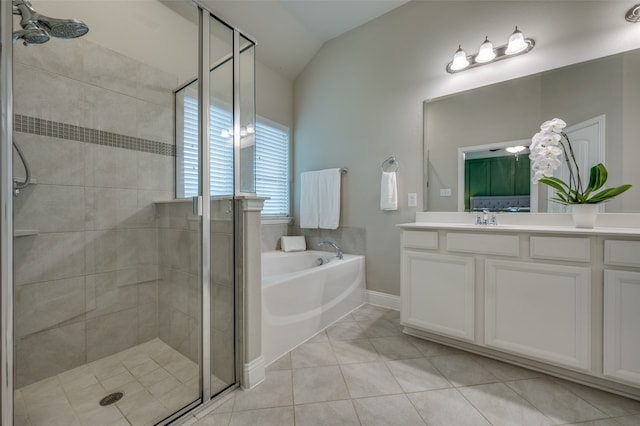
559 201
555 180
608 194
563 197
597 179
556 184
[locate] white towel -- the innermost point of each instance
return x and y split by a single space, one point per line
329 198
388 191
297 243
309 200
320 199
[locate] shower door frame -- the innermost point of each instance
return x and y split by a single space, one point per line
6 214
6 211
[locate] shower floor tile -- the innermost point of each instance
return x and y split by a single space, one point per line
156 381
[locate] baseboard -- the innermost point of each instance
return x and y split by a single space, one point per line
385 300
253 373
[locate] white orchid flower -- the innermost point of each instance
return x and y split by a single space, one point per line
556 125
545 163
550 151
539 175
550 138
536 141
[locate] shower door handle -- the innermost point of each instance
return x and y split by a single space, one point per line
196 204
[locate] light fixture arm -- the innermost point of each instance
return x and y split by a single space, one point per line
500 55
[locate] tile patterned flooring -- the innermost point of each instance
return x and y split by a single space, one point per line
360 371
156 380
364 371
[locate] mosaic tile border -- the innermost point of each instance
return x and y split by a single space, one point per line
54 129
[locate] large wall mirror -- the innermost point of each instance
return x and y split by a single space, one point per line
483 122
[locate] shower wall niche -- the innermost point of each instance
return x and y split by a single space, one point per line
97 129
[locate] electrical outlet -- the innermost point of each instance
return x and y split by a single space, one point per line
412 199
445 192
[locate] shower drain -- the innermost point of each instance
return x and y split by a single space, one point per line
111 398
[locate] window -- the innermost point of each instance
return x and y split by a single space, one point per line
272 167
221 151
271 150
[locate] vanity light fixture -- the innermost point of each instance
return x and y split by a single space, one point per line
249 130
516 149
633 14
487 54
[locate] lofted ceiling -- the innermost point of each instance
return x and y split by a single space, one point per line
290 32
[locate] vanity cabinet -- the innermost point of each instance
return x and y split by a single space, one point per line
545 296
438 293
622 311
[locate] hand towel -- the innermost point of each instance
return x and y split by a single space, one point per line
329 198
388 191
309 200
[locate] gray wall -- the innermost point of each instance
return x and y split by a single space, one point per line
360 99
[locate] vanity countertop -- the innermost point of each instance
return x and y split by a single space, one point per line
523 228
623 224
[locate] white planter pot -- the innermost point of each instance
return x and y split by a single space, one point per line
584 215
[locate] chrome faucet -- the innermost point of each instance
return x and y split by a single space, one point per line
335 246
482 218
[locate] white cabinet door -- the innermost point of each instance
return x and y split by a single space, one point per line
539 310
622 325
438 293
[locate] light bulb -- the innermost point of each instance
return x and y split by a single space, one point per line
516 43
459 60
516 149
486 52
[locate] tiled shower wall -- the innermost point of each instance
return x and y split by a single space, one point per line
179 288
97 130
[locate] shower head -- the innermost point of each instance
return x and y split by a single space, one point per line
63 28
38 28
31 34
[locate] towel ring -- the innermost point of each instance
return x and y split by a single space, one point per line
389 163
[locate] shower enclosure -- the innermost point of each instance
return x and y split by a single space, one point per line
120 212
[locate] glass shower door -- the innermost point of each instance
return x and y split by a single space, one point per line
107 262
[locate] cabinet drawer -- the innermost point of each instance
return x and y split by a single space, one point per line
558 248
622 253
503 245
420 239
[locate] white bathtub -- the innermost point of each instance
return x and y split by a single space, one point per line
300 298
